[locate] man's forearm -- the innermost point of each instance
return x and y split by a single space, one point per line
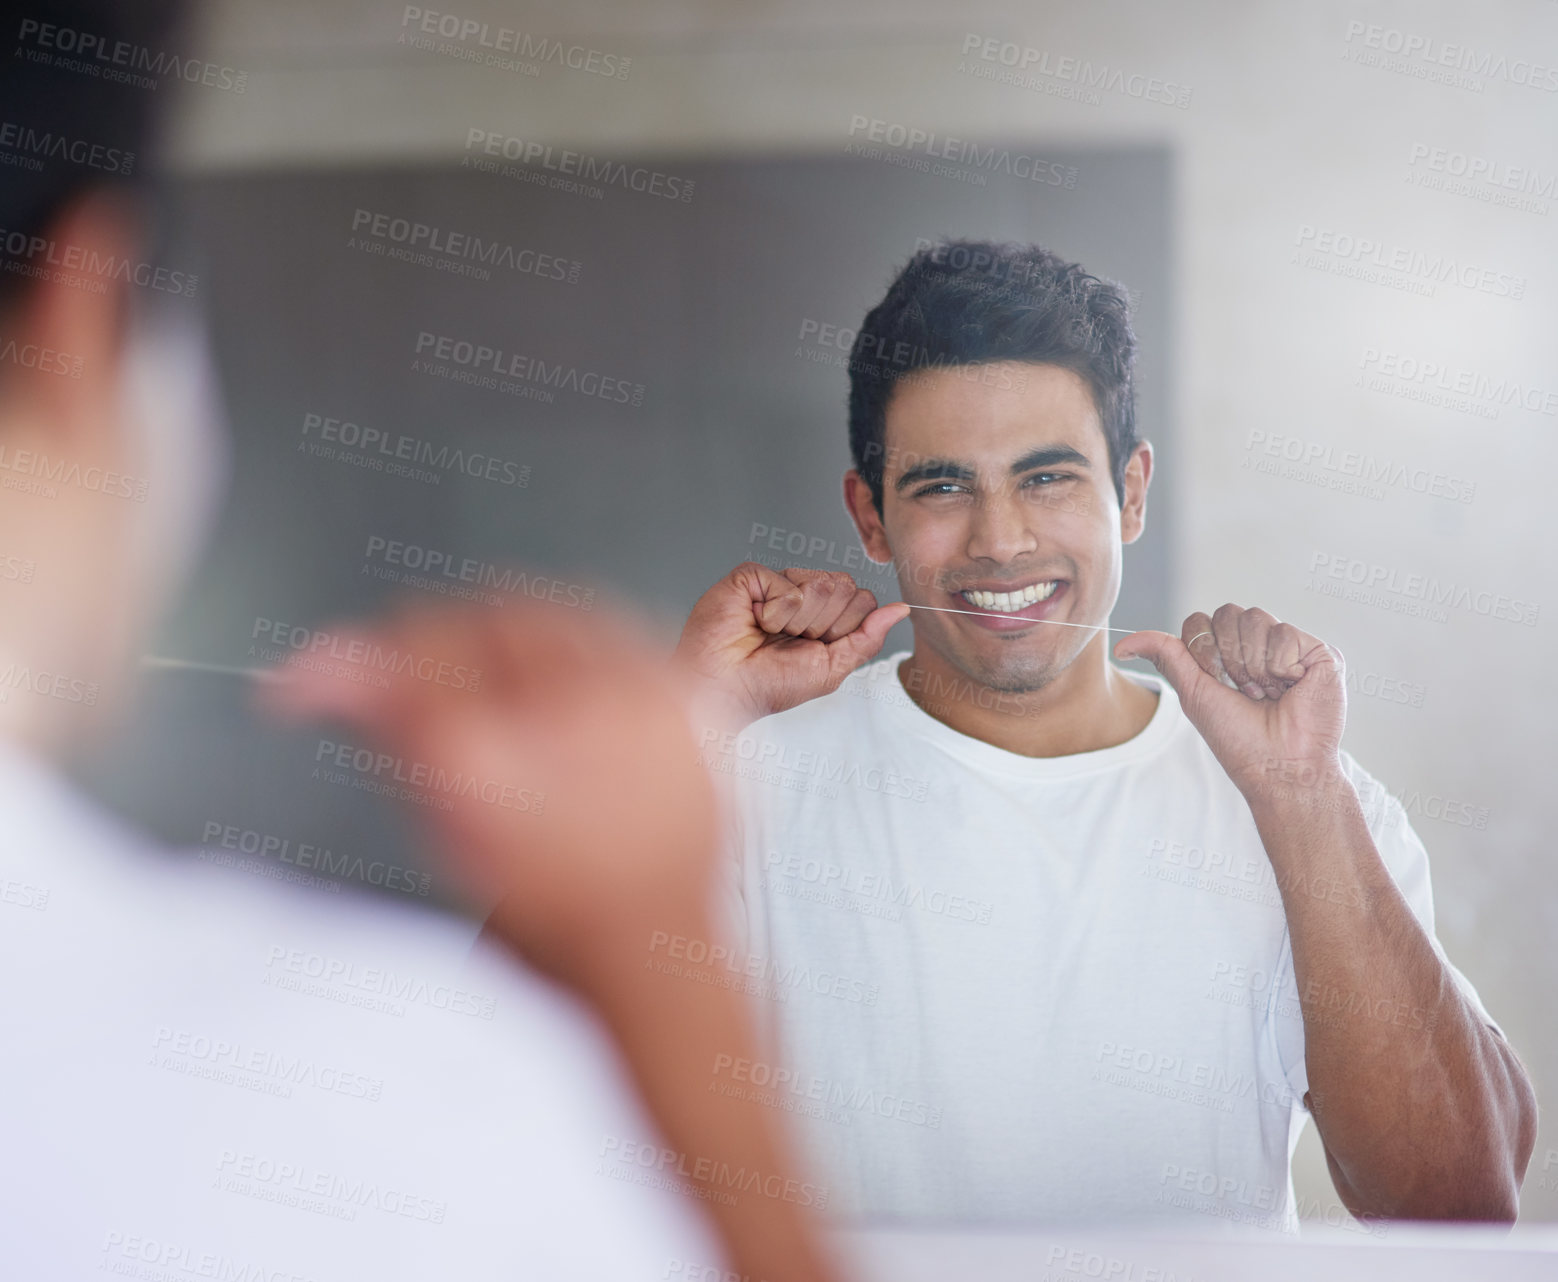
1424 1111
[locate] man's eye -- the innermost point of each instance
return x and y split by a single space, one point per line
1048 478
943 487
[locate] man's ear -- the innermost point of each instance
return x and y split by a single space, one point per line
868 522
1133 512
76 323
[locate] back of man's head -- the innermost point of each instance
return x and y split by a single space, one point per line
99 393
74 114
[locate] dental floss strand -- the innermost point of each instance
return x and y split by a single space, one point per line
165 664
1091 627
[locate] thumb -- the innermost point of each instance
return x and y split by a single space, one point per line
869 637
1168 655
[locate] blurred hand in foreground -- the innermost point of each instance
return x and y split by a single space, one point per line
562 778
563 786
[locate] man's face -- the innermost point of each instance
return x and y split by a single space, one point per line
998 500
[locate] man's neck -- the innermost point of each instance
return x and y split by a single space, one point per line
1092 705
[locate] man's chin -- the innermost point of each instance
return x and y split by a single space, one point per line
1011 673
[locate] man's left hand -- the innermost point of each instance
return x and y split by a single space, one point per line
1268 698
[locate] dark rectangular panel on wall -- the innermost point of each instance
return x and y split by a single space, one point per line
673 337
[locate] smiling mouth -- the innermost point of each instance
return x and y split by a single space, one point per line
1010 602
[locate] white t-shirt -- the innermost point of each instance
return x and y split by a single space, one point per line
208 1074
1004 988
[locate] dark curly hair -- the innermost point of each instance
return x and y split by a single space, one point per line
973 302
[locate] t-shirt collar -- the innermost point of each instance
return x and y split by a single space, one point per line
1166 720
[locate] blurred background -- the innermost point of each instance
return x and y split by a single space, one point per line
1337 221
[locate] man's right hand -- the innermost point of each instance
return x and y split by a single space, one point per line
768 641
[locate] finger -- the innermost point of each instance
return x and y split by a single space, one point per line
1197 638
773 597
801 596
1285 649
815 598
1307 663
824 597
1255 627
834 593
1225 631
775 613
854 613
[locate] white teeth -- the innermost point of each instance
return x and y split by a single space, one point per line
1010 602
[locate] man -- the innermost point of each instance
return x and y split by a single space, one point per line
212 1076
1095 944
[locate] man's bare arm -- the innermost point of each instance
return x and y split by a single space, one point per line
1424 1111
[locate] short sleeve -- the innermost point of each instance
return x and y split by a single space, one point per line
1406 860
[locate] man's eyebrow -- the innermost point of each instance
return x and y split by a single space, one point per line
1050 456
936 469
940 469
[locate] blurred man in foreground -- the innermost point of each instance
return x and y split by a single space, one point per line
209 1077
